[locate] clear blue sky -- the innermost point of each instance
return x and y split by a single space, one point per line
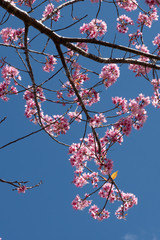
46 212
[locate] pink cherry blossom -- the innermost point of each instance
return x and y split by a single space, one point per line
105 165
109 73
97 120
10 35
152 3
83 45
129 201
156 84
97 214
48 10
75 115
49 63
108 192
22 189
156 99
124 22
61 124
156 41
80 204
121 103
94 29
28 3
88 97
134 37
137 109
80 181
144 19
113 135
9 73
128 5
125 124
138 69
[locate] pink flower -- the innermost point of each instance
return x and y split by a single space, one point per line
97 121
156 84
83 45
22 189
109 73
10 35
138 112
88 97
108 192
94 29
156 99
124 22
152 3
156 41
134 36
113 135
96 214
105 165
120 103
144 19
49 9
49 63
80 204
128 5
60 125
30 107
28 3
125 124
138 69
8 73
75 115
130 200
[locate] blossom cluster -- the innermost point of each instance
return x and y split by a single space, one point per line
10 35
88 97
78 78
138 115
144 19
48 11
50 62
133 37
28 3
152 3
88 150
139 69
94 29
109 73
97 120
156 41
29 96
130 200
156 95
75 115
9 73
82 179
108 192
128 5
124 22
22 189
57 124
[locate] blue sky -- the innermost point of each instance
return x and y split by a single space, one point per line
46 212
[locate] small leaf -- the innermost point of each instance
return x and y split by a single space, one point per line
114 175
103 178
